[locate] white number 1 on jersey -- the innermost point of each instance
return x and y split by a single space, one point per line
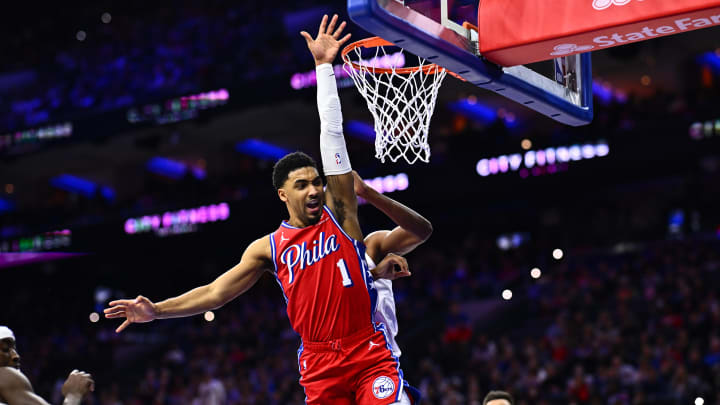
346 280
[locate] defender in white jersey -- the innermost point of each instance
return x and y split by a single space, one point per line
412 230
15 388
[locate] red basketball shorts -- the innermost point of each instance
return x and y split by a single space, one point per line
358 369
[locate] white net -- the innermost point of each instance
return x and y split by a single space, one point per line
401 100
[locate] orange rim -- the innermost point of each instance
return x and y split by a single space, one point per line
374 42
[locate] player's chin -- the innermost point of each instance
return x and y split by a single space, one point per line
313 217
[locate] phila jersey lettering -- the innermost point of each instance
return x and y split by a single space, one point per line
325 279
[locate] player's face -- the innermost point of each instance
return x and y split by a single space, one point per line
9 356
303 193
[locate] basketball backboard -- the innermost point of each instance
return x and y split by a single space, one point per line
441 31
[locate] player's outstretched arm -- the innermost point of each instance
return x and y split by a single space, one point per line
413 229
341 196
237 280
16 389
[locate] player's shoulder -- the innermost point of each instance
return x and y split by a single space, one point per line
260 247
12 378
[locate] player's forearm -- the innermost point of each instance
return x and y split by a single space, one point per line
328 99
332 142
193 302
402 215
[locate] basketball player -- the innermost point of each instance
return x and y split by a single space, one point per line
412 230
15 388
318 259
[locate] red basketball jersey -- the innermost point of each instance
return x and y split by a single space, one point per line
325 279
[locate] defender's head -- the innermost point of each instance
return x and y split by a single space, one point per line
498 398
300 187
9 356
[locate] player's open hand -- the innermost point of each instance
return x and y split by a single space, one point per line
325 47
391 267
139 310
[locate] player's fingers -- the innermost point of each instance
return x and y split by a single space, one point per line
339 31
115 310
119 302
116 315
123 326
344 39
323 25
401 274
401 263
307 37
331 26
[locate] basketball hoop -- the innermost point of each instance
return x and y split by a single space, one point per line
400 99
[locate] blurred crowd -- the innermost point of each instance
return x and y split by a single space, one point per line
633 325
165 51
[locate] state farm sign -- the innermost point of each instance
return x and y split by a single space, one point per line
529 32
620 38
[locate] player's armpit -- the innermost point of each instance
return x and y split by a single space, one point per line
15 388
256 259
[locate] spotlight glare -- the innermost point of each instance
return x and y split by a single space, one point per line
535 273
507 295
94 317
81 35
106 18
699 401
557 254
209 316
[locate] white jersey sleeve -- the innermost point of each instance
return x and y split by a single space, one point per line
385 311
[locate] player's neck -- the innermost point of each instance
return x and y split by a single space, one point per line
294 222
297 222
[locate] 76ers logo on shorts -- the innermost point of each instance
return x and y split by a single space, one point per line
383 387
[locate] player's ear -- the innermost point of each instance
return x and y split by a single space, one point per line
282 195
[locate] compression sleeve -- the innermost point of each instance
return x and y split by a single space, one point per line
334 153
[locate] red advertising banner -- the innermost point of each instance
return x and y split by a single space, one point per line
519 32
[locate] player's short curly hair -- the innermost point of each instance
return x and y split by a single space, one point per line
287 164
493 395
